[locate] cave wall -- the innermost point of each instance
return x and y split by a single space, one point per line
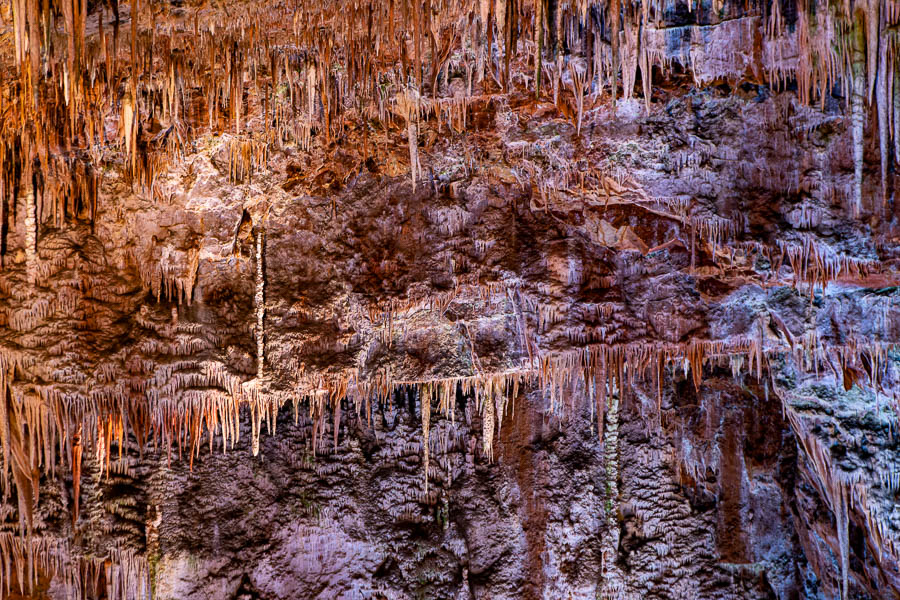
292 309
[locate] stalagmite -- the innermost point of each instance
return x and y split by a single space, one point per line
842 520
611 456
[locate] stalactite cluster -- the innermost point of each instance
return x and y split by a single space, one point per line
102 106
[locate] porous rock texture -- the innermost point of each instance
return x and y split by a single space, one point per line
314 300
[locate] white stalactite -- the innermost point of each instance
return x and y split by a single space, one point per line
129 130
857 112
872 23
881 101
487 424
413 135
260 306
30 234
426 427
896 111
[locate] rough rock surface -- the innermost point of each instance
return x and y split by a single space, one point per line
628 350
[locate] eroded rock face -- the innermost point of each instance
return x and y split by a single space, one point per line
279 322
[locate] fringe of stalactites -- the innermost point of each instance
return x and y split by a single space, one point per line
844 491
246 157
814 262
65 100
178 409
54 188
121 575
168 274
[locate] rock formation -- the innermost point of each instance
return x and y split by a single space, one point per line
402 299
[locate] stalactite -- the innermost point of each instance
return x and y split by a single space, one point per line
15 444
869 10
512 27
857 111
816 263
614 16
601 366
881 103
260 302
77 450
538 45
408 107
578 78
129 130
834 490
628 56
31 226
425 397
896 109
4 213
644 59
487 423
127 574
